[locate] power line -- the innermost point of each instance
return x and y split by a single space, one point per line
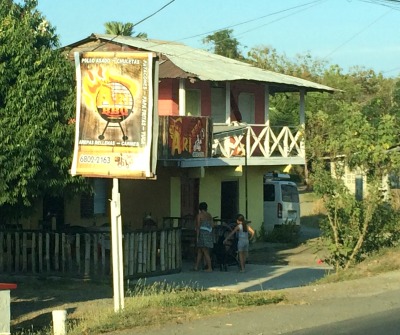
356 34
147 17
312 4
386 3
253 20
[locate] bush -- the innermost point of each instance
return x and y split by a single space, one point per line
286 233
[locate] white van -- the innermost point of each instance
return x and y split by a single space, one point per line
281 203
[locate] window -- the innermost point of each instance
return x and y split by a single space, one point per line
218 104
289 193
269 192
247 107
193 105
95 203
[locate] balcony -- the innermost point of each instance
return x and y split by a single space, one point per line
265 145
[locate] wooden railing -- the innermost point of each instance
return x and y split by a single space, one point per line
87 255
262 141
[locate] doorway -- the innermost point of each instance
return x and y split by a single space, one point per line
229 200
189 196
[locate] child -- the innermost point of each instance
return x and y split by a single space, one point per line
243 231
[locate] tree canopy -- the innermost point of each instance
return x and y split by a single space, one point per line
223 43
355 128
119 28
37 109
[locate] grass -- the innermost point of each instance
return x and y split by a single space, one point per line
385 260
161 303
156 304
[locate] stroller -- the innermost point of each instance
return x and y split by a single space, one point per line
224 255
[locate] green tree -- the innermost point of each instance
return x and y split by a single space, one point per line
37 102
123 29
352 138
354 128
224 44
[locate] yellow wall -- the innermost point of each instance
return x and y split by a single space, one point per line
138 198
162 197
210 191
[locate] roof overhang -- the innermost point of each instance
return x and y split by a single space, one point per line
180 61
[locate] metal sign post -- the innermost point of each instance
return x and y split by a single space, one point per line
116 248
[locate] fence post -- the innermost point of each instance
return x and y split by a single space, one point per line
59 319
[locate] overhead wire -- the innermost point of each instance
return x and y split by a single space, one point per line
357 34
252 20
283 17
392 4
149 16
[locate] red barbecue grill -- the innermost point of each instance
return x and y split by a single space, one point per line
114 104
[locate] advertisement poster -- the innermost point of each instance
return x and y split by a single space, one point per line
188 137
114 118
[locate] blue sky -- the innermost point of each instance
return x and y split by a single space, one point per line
345 32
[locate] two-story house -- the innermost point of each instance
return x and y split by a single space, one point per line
234 96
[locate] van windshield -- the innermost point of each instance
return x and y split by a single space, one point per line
289 193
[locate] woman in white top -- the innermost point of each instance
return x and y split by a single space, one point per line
243 231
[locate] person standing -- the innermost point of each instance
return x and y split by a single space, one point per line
205 240
243 231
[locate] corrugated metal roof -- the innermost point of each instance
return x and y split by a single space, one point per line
208 66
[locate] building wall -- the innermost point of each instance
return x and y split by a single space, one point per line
142 197
210 191
259 97
72 216
168 97
355 180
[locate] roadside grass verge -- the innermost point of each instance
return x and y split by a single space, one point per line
385 260
156 304
162 303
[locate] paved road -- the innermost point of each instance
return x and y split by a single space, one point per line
387 323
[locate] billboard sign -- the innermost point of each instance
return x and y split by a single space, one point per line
116 115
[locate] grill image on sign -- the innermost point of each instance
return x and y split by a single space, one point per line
114 104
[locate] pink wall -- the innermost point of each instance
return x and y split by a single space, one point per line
258 91
168 101
168 97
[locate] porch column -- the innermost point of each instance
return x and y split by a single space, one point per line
266 104
228 103
302 124
182 97
302 108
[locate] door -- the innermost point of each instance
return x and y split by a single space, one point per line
189 196
229 200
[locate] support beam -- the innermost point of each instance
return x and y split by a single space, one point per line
182 97
266 104
228 103
302 108
303 126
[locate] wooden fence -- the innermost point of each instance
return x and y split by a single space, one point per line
88 254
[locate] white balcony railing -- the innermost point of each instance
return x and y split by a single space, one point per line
260 141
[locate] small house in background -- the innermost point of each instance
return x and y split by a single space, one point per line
354 180
216 141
